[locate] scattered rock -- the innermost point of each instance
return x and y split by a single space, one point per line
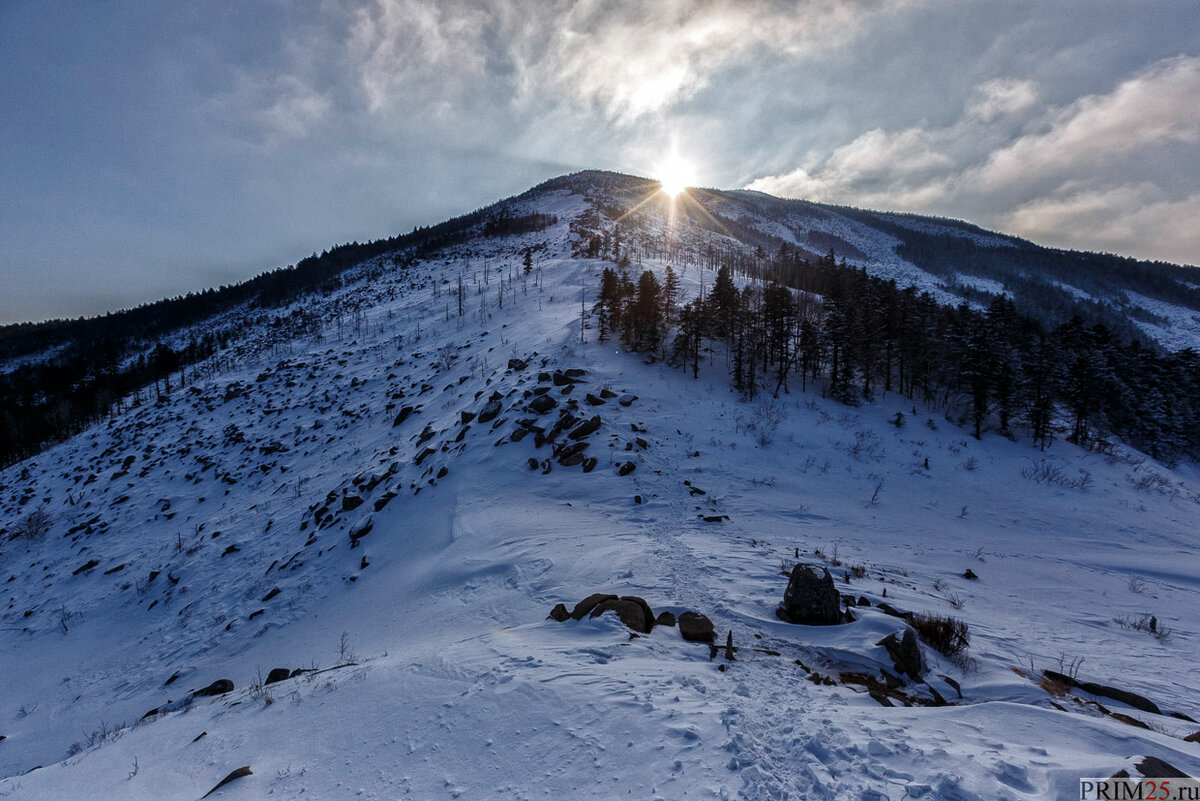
810 598
626 469
607 393
218 687
905 652
626 400
466 417
665 619
490 411
1155 768
237 774
1192 738
589 464
274 591
351 502
592 400
695 627
517 364
402 416
970 574
542 404
1124 696
586 428
559 613
91 563
277 675
534 464
361 529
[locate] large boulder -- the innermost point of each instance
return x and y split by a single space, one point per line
810 598
559 613
589 603
695 627
631 613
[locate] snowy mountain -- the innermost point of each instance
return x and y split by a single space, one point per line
378 481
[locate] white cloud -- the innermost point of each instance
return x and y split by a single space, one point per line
623 58
1136 219
1002 96
1074 175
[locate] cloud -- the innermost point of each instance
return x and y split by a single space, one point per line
1000 97
1116 219
622 58
1102 169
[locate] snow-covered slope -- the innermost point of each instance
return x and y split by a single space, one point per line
360 503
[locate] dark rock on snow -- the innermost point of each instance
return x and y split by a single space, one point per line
810 598
218 687
559 613
695 627
631 613
277 675
905 653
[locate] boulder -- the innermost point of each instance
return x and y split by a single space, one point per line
905 653
218 687
490 411
586 428
542 404
592 400
665 619
626 400
351 502
517 364
647 612
361 529
277 675
559 613
810 598
695 627
585 606
607 393
626 469
402 416
632 614
589 464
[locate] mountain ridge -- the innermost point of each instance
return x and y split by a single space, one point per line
360 486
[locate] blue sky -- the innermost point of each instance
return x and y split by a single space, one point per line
148 149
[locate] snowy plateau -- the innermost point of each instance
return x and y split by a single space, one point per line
365 506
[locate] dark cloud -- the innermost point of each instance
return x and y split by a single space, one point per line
156 148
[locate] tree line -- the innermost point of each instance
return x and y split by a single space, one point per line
816 322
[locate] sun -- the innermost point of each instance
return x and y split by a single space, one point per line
675 176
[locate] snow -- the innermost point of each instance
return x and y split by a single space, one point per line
441 677
1180 327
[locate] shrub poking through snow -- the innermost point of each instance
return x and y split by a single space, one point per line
948 636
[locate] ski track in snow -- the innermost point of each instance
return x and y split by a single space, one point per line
458 687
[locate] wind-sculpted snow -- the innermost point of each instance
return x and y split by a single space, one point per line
228 526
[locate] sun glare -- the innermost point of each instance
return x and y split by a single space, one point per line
675 176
